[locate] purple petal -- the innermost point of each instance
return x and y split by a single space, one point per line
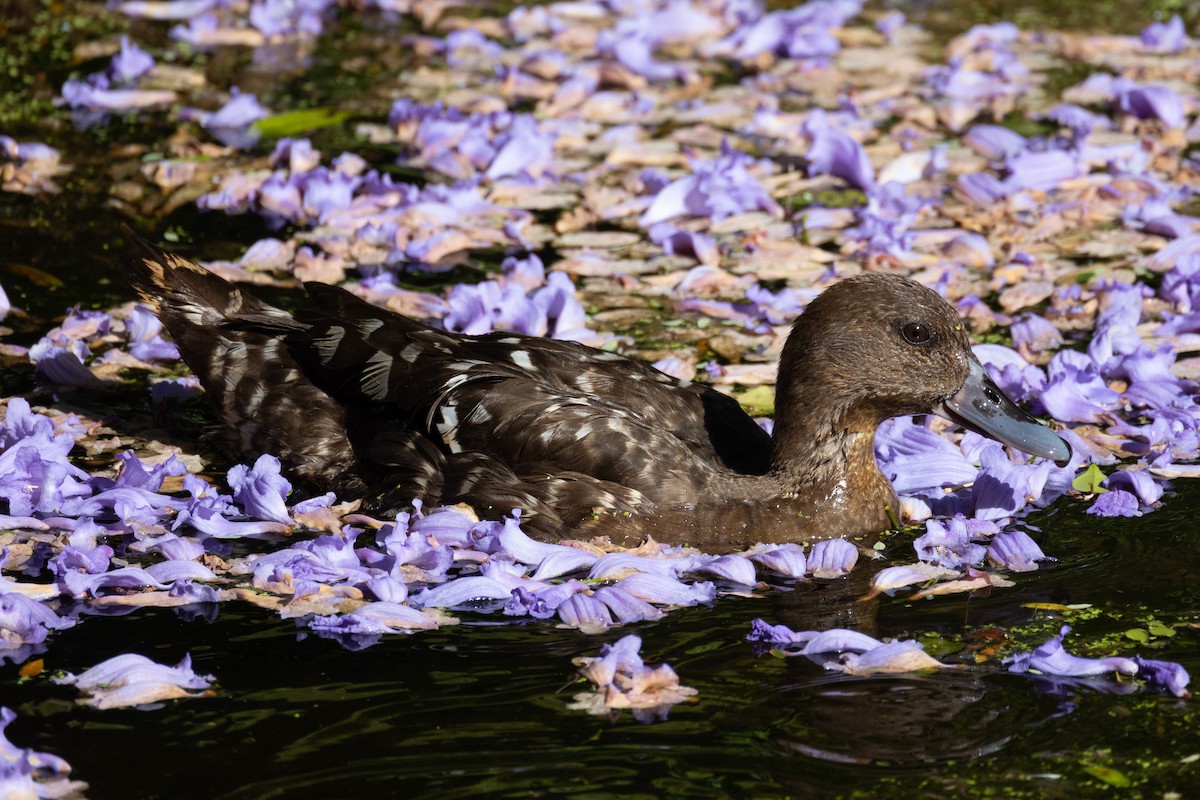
1164 674
131 680
447 526
832 558
130 63
63 365
625 607
667 591
611 566
261 490
1169 37
840 640
1016 551
733 568
891 578
209 521
27 773
541 603
461 591
585 612
1044 171
1051 659
836 153
1117 503
1149 102
761 631
981 188
180 570
786 559
948 545
24 620
379 617
994 142
894 656
1139 482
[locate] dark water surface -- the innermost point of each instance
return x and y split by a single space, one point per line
480 709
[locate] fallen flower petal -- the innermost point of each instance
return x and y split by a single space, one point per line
832 558
26 774
1051 658
1164 674
1016 551
622 680
134 680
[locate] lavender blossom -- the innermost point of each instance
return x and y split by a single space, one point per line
859 654
1016 551
585 612
786 559
625 606
834 152
664 591
1051 659
134 680
1117 503
732 567
130 63
914 457
1149 102
994 142
1137 482
232 124
145 340
26 773
674 241
283 18
1165 675
26 621
1003 488
1168 37
717 188
622 680
1045 171
378 618
261 490
63 365
948 544
832 558
764 633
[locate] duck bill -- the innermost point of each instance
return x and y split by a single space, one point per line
980 406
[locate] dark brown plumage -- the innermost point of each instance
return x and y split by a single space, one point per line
364 401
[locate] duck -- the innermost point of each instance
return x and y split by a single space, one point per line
368 403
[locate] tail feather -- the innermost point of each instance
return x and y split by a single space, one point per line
235 345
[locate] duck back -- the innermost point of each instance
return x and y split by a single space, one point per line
360 400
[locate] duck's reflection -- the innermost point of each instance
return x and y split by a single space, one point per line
901 721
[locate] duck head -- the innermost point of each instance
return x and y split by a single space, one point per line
877 346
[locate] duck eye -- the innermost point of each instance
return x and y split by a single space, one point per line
916 333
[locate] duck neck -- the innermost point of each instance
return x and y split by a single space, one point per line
824 440
822 447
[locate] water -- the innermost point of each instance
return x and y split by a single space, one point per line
479 710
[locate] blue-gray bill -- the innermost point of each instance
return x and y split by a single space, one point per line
980 406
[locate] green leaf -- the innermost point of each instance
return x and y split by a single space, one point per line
1109 775
1138 635
759 401
1159 629
1089 480
290 123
